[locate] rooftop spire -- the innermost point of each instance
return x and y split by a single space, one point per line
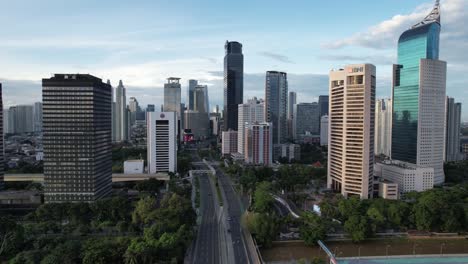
434 16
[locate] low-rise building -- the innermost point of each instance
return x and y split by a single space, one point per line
134 166
388 190
409 177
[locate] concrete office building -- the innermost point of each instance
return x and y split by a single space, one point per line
383 127
134 108
419 85
452 130
134 167
276 105
5 121
77 138
121 117
172 103
233 83
292 100
229 142
191 90
249 113
351 130
150 108
200 96
408 176
162 142
306 120
37 117
388 190
215 123
324 130
289 152
259 144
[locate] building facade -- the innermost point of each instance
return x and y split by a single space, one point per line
453 130
306 119
249 113
276 105
162 142
77 138
229 142
292 100
2 152
191 89
259 144
121 118
37 119
233 83
408 176
324 130
200 96
419 84
351 130
383 127
198 123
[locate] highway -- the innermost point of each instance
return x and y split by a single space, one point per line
207 243
234 213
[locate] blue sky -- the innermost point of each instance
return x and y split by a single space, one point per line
144 42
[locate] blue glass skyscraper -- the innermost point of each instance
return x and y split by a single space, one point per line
418 83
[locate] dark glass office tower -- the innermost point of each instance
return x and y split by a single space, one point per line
2 154
77 138
419 42
233 83
276 104
323 105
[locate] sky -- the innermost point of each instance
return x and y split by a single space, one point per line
143 42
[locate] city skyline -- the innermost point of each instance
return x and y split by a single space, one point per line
306 64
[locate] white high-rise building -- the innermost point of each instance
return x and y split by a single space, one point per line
121 118
249 113
113 114
324 130
383 127
351 130
162 142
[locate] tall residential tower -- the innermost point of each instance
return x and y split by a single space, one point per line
276 105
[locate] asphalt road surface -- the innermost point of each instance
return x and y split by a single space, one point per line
207 244
234 214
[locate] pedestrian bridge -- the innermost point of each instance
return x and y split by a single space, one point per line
116 177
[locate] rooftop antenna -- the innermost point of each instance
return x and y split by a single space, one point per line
434 16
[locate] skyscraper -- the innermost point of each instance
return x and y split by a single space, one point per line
24 119
2 154
276 104
453 130
306 119
162 142
259 144
191 89
324 130
37 118
113 114
233 83
200 96
77 138
121 118
323 104
150 108
351 130
291 102
249 113
419 84
134 108
383 127
172 93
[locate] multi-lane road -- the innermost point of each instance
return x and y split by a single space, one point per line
207 243
234 213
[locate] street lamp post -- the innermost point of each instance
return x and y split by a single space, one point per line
442 248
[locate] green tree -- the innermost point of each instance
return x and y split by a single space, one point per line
357 227
313 228
265 228
11 236
144 212
263 200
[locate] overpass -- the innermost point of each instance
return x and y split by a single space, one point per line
116 177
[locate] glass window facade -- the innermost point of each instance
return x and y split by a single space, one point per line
414 44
